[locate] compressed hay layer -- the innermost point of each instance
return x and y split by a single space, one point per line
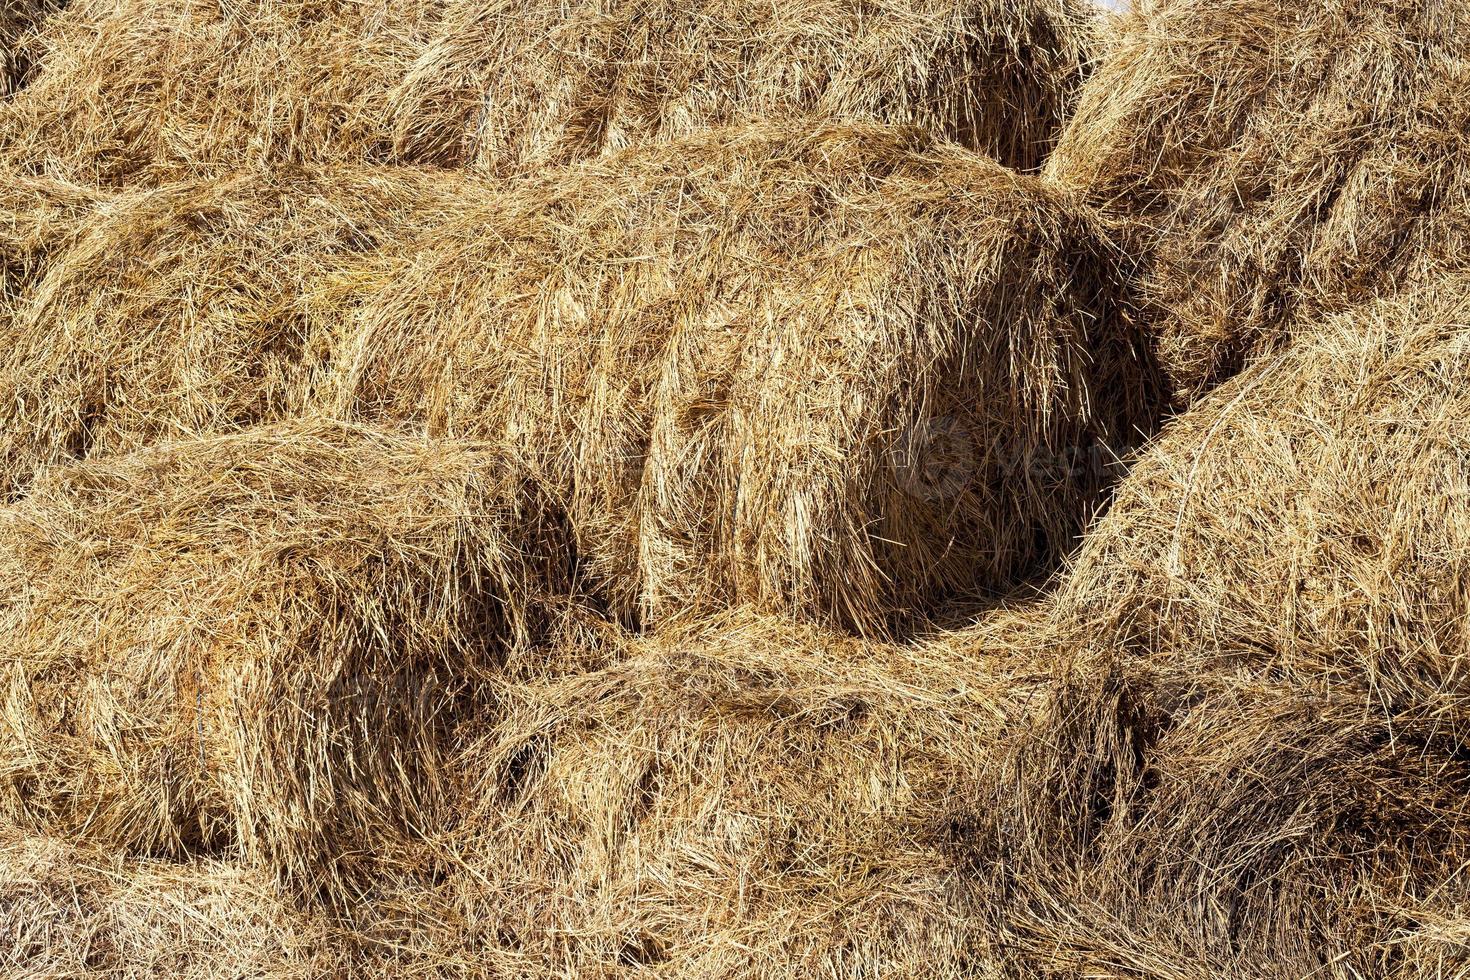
843 372
260 643
512 86
1279 158
19 19
736 799
131 91
70 911
136 89
1257 760
170 313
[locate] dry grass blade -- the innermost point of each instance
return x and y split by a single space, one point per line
259 644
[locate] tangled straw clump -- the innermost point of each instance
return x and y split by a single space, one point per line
72 911
39 216
513 86
1255 762
733 799
138 90
19 20
281 630
178 311
840 372
1280 159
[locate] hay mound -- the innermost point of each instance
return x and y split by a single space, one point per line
133 90
258 644
179 311
68 911
732 800
1257 762
1280 158
515 86
19 19
841 372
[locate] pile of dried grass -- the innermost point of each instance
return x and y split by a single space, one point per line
733 799
19 19
133 91
259 644
1280 158
178 311
838 372
1257 759
75 912
844 372
737 798
512 86
136 90
39 216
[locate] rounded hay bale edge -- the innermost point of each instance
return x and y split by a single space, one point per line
137 91
179 311
1278 160
1255 757
512 87
259 643
842 372
839 372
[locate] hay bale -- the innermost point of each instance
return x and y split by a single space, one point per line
1329 478
1280 159
844 372
515 86
733 799
180 311
1256 758
71 911
19 19
259 644
137 89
